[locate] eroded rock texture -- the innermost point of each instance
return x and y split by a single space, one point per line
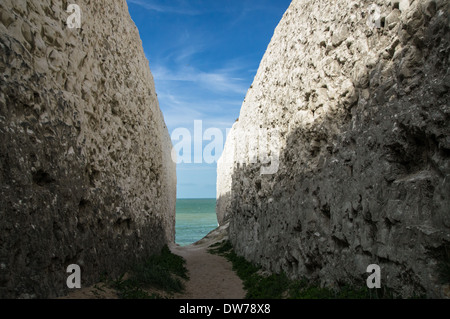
361 111
85 171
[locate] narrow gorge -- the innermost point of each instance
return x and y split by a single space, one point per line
339 158
350 107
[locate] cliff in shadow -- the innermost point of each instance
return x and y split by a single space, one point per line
86 175
340 158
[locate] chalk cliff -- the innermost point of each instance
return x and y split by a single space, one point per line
350 109
86 175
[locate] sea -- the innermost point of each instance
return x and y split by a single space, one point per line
195 218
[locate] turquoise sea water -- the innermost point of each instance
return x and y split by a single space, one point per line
194 220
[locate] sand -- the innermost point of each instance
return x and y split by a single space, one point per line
211 276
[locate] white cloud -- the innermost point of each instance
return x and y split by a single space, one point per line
188 94
152 6
221 80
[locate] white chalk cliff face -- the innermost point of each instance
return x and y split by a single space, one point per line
86 175
354 114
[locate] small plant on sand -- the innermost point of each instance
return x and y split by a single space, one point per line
444 266
256 285
164 272
279 286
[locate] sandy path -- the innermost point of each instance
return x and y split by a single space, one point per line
210 276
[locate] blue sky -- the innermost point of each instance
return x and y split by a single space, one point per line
204 55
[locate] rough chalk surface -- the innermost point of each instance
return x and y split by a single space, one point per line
86 175
359 114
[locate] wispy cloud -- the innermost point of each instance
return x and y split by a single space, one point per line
189 94
220 80
188 90
185 55
182 110
182 8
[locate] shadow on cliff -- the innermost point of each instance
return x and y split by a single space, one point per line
367 184
56 207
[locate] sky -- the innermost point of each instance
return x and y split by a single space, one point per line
204 55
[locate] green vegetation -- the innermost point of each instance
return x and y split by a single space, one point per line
279 286
444 266
164 272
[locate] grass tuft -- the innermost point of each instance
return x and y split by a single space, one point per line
444 266
164 272
279 286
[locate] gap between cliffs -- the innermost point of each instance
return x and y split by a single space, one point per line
211 276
